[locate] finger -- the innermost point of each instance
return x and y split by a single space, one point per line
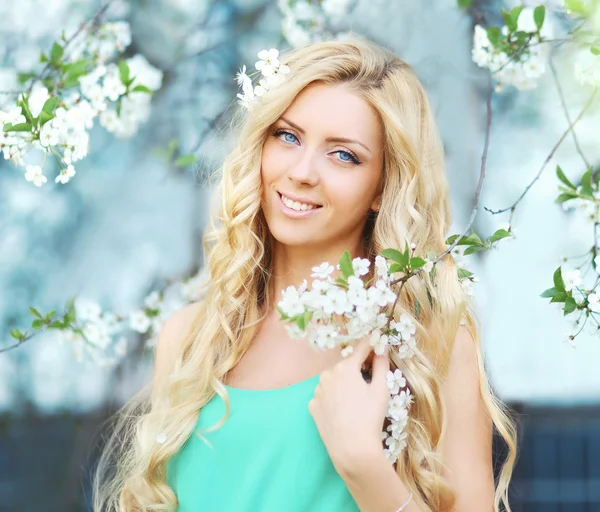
361 351
381 365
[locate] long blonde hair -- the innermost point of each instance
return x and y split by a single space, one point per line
414 207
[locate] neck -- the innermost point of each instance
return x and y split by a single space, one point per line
293 264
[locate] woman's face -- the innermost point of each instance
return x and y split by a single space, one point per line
321 168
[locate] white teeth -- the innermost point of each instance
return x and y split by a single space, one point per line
295 205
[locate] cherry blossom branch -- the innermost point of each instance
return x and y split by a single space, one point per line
566 111
513 207
93 21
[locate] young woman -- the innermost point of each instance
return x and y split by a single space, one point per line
343 155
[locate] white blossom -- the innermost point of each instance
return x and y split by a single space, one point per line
322 271
594 301
571 278
268 61
34 174
38 97
138 321
361 266
395 380
65 174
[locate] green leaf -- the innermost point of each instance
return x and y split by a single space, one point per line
561 176
473 249
463 273
43 58
559 297
34 312
142 88
494 34
464 4
24 77
342 281
21 127
473 239
416 262
396 267
499 235
511 24
37 324
124 72
57 325
577 6
539 14
50 314
56 53
586 183
550 292
45 117
300 322
566 196
570 305
515 12
7 127
77 68
346 265
595 51
70 81
283 315
450 239
70 316
16 334
417 308
307 317
396 256
51 104
559 284
185 160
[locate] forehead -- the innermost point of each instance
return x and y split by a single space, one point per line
334 110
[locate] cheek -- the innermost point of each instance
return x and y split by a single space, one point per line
272 163
351 194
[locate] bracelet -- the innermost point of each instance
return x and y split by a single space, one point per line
407 502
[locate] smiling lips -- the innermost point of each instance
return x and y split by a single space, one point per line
298 206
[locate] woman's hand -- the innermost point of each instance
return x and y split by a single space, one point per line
349 412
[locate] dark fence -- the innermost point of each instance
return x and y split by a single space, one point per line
45 460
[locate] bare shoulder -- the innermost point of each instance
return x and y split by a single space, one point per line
463 378
171 336
464 350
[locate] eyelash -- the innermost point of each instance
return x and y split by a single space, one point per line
354 158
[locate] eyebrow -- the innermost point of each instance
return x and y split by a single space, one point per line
329 139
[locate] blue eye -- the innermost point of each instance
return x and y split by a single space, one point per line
346 156
287 136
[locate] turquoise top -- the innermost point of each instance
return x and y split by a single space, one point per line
267 457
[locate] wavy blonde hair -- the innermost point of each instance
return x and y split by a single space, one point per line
414 207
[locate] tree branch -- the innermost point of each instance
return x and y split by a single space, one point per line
548 158
566 111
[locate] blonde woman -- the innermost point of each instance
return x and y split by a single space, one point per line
342 155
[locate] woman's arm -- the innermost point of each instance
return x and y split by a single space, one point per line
467 452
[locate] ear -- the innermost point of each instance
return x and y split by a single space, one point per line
376 204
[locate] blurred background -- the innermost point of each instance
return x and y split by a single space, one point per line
131 220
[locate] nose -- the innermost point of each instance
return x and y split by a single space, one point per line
304 170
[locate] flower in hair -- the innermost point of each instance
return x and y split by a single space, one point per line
273 74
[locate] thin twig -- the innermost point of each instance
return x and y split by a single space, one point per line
548 158
482 171
91 22
566 111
